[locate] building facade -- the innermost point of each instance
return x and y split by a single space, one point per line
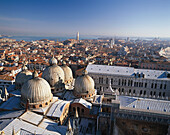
132 82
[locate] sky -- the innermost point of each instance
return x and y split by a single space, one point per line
137 18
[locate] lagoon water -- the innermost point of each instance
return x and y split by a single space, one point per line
33 38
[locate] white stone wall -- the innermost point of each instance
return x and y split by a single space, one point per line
131 86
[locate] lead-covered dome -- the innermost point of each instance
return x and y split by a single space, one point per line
22 77
68 75
84 86
37 91
53 61
53 74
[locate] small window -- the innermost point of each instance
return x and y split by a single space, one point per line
74 109
164 86
144 93
141 92
152 85
151 93
82 110
161 86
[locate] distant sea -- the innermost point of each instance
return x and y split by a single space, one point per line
33 38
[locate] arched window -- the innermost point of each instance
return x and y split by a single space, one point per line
131 82
141 92
145 85
106 80
154 93
82 110
129 91
133 91
128 82
163 94
119 81
151 93
164 86
119 89
74 109
40 105
122 82
155 85
122 89
161 86
159 94
135 84
144 92
152 85
111 80
78 109
125 82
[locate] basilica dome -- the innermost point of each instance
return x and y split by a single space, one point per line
37 91
84 86
53 74
53 61
22 77
68 75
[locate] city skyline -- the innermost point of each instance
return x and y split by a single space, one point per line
105 18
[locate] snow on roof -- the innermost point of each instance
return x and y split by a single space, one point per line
19 124
68 95
4 123
145 104
150 104
10 114
57 108
126 100
127 71
53 126
31 117
83 102
13 103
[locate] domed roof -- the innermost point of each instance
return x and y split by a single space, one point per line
53 61
84 86
37 90
53 74
68 75
22 77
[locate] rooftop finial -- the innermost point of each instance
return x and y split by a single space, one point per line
84 72
35 74
64 63
24 67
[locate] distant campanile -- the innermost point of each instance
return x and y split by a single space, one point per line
77 36
112 42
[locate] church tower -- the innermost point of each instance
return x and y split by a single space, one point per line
77 36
